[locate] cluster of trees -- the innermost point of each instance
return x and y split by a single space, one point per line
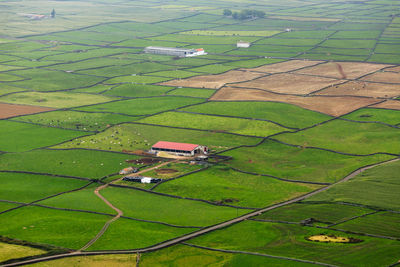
244 14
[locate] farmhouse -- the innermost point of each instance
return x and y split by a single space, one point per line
179 149
243 44
173 51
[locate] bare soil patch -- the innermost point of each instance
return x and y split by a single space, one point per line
214 81
334 106
286 83
165 171
389 104
12 110
394 69
362 88
342 70
383 77
285 66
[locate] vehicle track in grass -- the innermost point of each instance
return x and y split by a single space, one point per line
202 231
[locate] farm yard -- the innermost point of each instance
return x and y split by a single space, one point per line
301 129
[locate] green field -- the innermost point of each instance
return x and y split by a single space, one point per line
136 136
233 188
218 124
88 63
27 136
142 205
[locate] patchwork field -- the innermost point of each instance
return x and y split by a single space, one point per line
302 129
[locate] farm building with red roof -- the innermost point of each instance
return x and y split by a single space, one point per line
179 149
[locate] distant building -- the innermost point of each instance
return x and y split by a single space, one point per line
128 170
173 51
141 179
288 30
179 149
243 44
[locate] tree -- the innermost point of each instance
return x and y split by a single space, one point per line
227 12
53 13
235 15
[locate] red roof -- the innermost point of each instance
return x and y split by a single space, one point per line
175 146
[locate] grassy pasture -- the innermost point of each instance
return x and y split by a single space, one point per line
136 235
289 240
179 167
206 93
213 68
77 162
18 137
198 39
285 114
38 80
137 90
83 200
11 251
23 187
42 225
252 63
147 206
220 124
55 99
174 74
289 42
373 114
139 79
231 33
143 106
327 213
181 255
92 63
93 261
77 120
377 187
383 223
298 163
353 43
230 187
348 137
342 51
356 34
135 136
385 58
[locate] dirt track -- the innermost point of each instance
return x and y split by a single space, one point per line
12 110
203 230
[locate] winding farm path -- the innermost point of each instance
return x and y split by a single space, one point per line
108 203
202 231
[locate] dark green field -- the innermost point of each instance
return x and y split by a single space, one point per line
286 161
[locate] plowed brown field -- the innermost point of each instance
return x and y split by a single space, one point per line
12 110
361 88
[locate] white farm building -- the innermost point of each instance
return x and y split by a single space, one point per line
173 51
179 149
243 44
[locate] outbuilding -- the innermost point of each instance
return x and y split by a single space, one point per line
243 44
179 149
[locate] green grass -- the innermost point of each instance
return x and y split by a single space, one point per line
327 213
55 99
234 188
215 123
135 68
11 251
23 187
377 187
18 137
285 114
385 58
135 136
38 80
84 199
349 43
139 79
77 120
53 227
5 206
231 33
176 74
137 90
77 162
180 255
144 106
373 114
289 240
148 206
356 34
383 223
206 93
252 63
297 163
129 234
199 40
289 42
348 137
213 68
180 168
